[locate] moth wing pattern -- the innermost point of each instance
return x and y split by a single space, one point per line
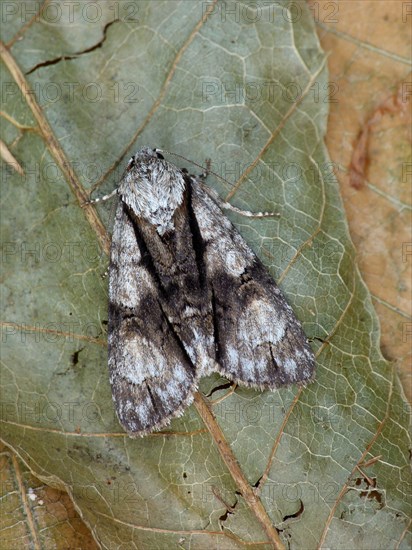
187 297
259 341
151 377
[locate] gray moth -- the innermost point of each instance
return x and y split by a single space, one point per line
188 297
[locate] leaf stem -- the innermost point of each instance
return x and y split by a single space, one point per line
229 458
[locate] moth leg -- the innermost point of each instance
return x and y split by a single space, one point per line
105 274
206 171
227 206
101 199
93 201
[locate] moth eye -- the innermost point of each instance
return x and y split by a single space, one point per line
159 154
130 164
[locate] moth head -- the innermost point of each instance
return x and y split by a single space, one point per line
146 155
144 164
153 188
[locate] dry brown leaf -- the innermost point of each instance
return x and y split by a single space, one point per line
369 60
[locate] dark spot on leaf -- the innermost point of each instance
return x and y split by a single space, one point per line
56 60
360 480
223 517
373 495
318 339
75 357
223 386
296 514
256 484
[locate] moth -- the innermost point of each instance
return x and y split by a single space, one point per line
188 297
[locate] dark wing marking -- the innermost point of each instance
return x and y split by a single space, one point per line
258 338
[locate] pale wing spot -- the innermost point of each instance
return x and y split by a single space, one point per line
233 356
290 367
133 281
263 321
303 357
180 374
197 350
147 359
235 263
249 367
190 311
143 409
128 409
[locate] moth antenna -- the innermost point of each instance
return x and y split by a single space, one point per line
206 170
223 204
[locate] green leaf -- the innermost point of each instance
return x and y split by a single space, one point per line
244 84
